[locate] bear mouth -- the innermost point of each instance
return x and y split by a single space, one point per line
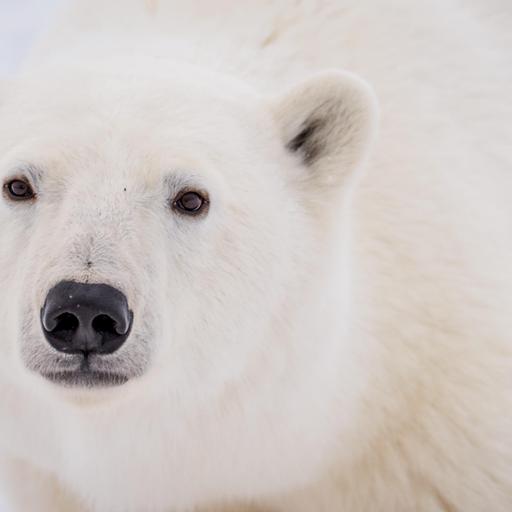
87 378
83 371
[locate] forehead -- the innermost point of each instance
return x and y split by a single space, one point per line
178 117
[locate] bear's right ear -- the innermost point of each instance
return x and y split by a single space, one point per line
329 122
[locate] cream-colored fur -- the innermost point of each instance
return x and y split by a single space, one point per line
336 334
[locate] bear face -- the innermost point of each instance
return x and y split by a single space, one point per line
107 161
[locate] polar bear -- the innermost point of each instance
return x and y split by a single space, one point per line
236 277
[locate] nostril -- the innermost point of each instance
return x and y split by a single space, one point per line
104 325
66 325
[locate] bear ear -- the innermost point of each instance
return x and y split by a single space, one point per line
329 122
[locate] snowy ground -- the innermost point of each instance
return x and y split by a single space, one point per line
20 22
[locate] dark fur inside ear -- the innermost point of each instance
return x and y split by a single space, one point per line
327 122
308 142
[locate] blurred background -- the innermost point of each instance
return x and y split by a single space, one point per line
21 21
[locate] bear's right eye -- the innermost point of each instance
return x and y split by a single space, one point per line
19 189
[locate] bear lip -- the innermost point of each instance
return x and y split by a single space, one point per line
85 377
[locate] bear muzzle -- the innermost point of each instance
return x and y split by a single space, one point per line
87 321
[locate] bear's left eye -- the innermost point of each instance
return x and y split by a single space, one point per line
190 202
19 189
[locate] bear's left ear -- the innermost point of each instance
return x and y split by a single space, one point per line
329 122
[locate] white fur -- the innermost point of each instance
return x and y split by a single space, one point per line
335 334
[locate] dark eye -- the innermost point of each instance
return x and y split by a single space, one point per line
19 189
190 203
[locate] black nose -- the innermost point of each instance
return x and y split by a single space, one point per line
86 318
